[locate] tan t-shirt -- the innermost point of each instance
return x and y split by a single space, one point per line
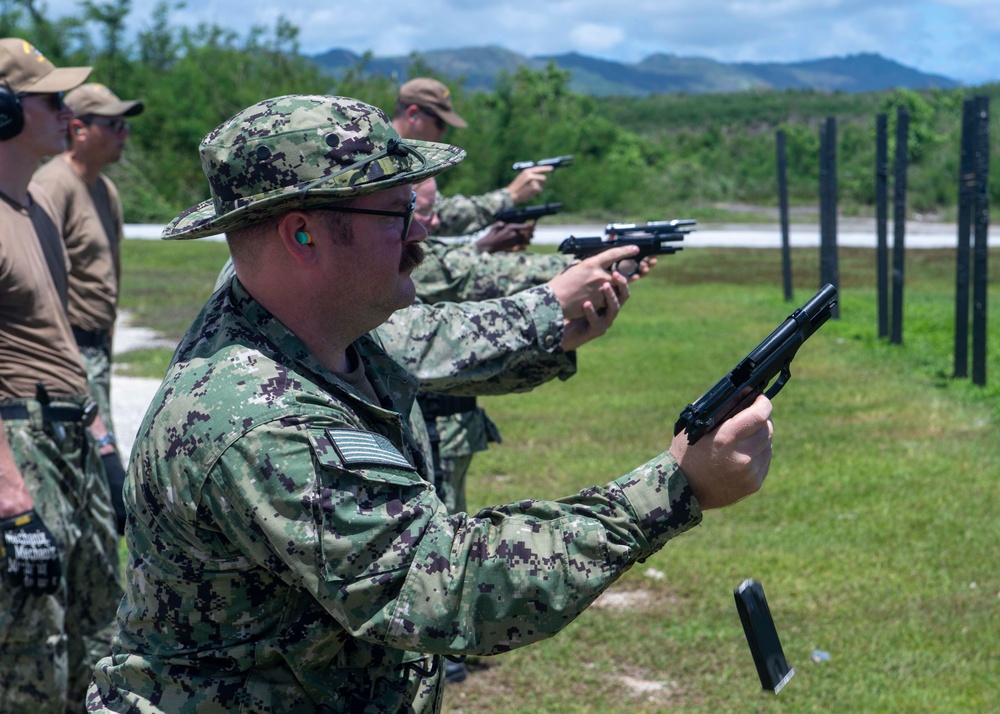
92 230
36 343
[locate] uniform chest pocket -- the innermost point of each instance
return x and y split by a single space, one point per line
370 508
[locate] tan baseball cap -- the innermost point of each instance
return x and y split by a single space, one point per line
433 96
94 99
26 71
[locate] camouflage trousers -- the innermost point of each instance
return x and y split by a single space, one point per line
49 644
97 362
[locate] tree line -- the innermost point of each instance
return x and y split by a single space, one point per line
636 158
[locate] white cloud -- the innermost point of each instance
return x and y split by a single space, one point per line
590 38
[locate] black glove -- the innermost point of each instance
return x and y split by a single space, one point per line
30 553
115 473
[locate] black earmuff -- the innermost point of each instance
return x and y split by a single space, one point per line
11 113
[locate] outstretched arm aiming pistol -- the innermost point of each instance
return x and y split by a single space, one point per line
653 238
770 359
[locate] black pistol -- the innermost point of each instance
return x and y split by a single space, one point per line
771 358
528 213
653 238
556 162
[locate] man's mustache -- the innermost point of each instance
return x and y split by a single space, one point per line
413 255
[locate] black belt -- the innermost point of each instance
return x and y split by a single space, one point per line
90 338
67 413
439 405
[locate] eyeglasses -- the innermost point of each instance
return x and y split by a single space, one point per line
117 126
54 99
438 121
406 215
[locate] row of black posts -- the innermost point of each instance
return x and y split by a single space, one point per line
973 211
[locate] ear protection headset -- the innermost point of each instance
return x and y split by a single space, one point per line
11 113
303 238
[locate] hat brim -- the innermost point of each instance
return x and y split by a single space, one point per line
203 220
451 118
129 108
61 79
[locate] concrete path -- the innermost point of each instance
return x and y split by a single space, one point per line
850 233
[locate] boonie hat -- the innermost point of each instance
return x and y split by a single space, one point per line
433 96
25 70
94 99
301 152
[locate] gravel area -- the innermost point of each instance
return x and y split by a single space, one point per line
130 396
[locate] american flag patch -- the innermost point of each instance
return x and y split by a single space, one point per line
357 448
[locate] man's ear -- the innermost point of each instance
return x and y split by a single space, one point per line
76 127
296 231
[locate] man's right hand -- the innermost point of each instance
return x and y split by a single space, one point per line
529 183
30 554
583 281
731 461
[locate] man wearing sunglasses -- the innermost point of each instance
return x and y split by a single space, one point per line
424 111
87 203
287 550
58 546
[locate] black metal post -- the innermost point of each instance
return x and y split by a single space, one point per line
966 193
786 252
881 219
828 270
899 223
980 251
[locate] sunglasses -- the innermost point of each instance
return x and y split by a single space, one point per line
54 99
115 125
406 215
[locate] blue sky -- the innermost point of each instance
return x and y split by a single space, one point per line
959 39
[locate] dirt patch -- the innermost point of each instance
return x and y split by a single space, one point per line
619 599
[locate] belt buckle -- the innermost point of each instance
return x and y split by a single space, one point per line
89 413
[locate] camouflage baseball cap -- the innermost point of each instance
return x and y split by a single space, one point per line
94 99
302 152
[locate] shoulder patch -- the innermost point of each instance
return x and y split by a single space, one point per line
357 448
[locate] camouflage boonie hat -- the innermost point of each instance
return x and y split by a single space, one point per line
301 152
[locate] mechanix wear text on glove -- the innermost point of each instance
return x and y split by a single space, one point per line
30 554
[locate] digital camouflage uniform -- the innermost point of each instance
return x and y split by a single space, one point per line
455 272
461 215
287 551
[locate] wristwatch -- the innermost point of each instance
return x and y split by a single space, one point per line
108 438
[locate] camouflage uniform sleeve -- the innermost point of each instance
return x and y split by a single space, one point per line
459 271
378 551
475 349
461 215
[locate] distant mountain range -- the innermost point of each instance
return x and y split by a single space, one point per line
657 74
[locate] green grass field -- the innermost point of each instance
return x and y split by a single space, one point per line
875 534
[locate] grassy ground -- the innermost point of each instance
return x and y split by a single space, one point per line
875 535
